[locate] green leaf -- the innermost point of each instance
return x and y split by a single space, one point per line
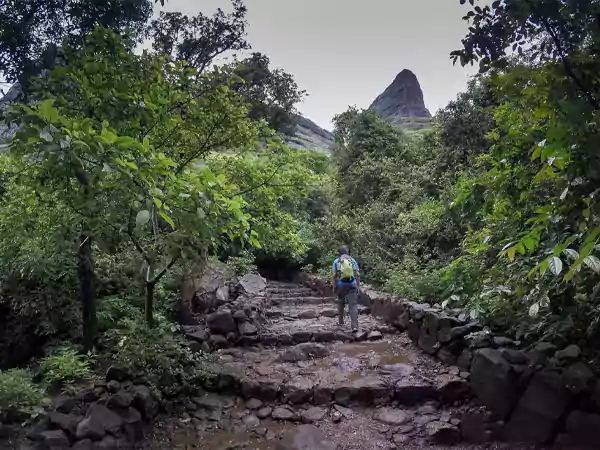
167 219
571 253
200 213
511 253
534 309
592 262
142 217
555 265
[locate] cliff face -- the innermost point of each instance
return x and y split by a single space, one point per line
309 135
402 102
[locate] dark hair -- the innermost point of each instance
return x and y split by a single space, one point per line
343 250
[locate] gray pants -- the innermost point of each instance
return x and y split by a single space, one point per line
348 294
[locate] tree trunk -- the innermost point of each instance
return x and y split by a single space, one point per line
87 294
149 306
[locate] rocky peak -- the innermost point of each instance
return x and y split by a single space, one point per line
402 100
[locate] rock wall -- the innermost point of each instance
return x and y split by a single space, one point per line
538 395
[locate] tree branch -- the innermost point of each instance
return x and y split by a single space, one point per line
264 183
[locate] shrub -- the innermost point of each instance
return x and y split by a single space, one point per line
65 367
115 308
20 397
156 356
243 263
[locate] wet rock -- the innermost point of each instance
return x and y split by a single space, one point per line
251 421
85 444
54 439
464 330
132 424
246 328
401 439
254 403
578 377
302 337
360 335
329 313
298 390
443 433
427 409
479 339
428 341
64 403
120 399
117 373
313 414
515 356
308 315
539 409
221 322
412 330
451 388
219 341
252 285
265 412
304 352
322 394
374 336
281 413
324 336
367 390
582 431
465 359
412 392
66 422
570 352
346 412
494 381
144 401
399 369
240 316
305 437
391 416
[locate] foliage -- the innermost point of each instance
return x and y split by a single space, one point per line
31 30
243 263
20 397
65 366
157 356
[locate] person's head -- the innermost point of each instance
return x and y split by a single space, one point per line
343 250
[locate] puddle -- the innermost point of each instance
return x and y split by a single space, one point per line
378 353
227 440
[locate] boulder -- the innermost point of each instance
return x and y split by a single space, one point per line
240 316
221 322
305 437
205 290
582 431
132 424
494 381
54 439
364 390
298 390
121 399
144 401
252 285
569 353
537 413
66 422
452 388
283 413
247 329
578 377
412 330
412 392
428 341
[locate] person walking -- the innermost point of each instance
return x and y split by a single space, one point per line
346 285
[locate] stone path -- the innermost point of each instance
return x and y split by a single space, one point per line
367 390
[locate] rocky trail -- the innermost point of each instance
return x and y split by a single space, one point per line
291 377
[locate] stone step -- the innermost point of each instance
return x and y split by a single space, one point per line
309 311
366 374
283 338
283 285
283 300
292 293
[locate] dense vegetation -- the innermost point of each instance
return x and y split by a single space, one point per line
127 169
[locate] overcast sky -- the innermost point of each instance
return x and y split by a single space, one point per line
346 52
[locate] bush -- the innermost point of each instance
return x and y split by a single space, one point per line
20 397
156 356
115 308
65 367
243 263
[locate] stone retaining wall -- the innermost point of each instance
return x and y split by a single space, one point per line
541 395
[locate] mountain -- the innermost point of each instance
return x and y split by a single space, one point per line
402 103
309 135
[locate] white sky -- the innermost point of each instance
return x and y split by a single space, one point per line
346 52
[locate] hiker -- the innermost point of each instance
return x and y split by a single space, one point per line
346 284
